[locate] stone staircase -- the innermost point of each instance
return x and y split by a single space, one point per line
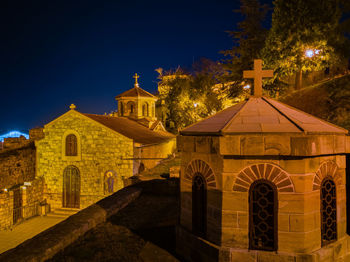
63 212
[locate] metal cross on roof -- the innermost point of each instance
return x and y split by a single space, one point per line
258 75
136 76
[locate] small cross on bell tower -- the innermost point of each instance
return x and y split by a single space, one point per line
258 75
136 76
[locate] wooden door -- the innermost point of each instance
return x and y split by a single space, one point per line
71 187
17 205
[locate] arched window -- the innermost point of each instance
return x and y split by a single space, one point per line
71 187
328 211
131 107
121 108
263 216
145 109
71 145
199 205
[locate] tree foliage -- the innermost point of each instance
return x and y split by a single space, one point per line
190 97
248 41
298 26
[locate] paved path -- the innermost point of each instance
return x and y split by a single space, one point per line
27 229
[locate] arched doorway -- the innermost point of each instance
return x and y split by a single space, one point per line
199 206
263 216
71 187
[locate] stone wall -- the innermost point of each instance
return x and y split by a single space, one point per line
299 164
17 165
32 195
100 150
36 133
151 155
15 142
46 244
6 207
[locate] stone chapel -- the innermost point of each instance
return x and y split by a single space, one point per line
262 181
84 157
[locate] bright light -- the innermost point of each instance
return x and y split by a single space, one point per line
13 134
195 104
246 86
317 51
310 53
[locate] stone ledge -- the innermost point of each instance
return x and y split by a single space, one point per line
46 244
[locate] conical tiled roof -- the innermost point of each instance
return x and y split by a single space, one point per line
261 115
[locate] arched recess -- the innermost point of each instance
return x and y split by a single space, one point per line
267 171
201 167
77 156
327 168
110 180
131 107
145 109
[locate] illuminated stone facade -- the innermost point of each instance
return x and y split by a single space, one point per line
290 155
85 157
100 150
20 192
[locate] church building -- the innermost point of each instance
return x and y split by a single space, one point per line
262 181
85 157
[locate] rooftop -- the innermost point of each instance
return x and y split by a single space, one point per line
135 92
261 115
131 129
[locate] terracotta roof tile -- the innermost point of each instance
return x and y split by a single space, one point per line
132 129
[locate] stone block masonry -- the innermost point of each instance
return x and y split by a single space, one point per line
48 243
17 165
100 151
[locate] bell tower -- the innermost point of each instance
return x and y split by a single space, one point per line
136 103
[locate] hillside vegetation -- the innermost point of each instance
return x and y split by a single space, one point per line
328 100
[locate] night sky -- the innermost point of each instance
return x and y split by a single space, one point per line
54 53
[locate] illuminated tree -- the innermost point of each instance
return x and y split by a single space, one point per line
248 40
187 98
304 37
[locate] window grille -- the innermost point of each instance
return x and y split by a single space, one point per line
263 216
328 211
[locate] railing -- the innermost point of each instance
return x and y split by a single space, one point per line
33 209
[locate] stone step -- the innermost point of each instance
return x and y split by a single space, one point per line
63 212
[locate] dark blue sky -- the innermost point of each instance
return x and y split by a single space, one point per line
54 53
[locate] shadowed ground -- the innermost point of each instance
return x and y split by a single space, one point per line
142 231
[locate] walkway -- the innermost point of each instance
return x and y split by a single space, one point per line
26 230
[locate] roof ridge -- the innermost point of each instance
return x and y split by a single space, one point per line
208 117
310 115
299 127
228 122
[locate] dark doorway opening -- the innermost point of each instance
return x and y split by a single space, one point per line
199 206
17 205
